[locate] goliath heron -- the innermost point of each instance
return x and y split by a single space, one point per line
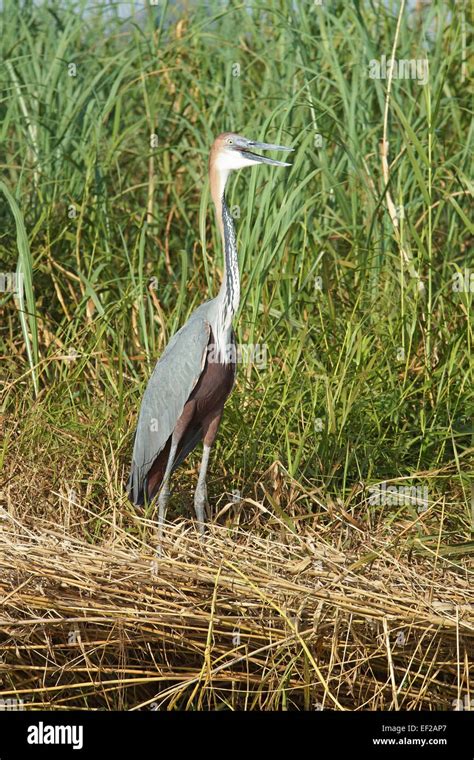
185 396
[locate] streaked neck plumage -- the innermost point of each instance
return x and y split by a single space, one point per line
228 298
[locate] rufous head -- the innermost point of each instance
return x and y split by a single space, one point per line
231 151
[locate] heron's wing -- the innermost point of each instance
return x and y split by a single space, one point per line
169 387
193 433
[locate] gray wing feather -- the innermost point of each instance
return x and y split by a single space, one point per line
169 387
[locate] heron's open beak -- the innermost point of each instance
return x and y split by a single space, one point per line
264 159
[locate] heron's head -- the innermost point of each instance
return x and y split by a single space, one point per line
231 151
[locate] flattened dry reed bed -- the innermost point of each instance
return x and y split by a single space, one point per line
239 621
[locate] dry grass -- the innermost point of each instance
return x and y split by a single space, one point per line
270 621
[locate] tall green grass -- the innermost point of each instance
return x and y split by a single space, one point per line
106 124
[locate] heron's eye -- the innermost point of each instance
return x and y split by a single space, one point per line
230 141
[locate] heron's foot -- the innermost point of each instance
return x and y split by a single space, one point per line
201 505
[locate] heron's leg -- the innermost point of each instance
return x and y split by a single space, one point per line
165 486
210 428
181 425
200 495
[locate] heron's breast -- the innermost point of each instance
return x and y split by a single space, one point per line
216 380
214 386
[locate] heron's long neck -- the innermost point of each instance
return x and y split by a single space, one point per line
229 294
